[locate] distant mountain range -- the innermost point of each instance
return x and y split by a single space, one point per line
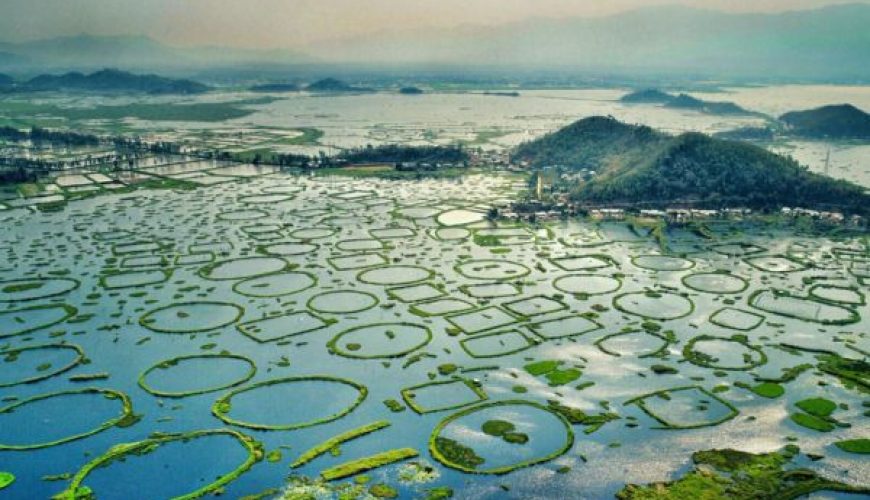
133 53
830 43
826 44
636 164
685 101
106 80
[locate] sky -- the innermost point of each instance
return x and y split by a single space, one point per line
295 24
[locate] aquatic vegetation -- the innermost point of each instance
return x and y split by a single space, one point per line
860 446
169 364
118 452
223 406
368 463
335 441
43 372
736 474
125 419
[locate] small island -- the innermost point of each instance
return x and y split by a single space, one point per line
842 121
634 164
332 85
685 101
410 91
275 87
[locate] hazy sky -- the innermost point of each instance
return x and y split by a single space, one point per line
295 23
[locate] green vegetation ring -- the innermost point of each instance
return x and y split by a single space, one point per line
223 405
311 302
80 357
741 282
521 269
639 401
23 286
361 276
600 343
659 317
118 452
332 345
685 264
706 361
126 418
145 322
436 453
558 286
68 312
169 363
262 282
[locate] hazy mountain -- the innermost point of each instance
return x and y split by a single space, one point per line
685 101
135 53
328 85
839 122
829 43
637 164
113 80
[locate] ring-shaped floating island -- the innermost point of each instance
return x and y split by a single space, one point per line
751 356
654 403
357 342
286 249
22 290
119 452
638 343
662 263
342 302
242 215
191 317
245 267
125 419
276 285
395 275
490 269
44 371
661 306
719 283
169 364
587 284
30 319
223 406
458 456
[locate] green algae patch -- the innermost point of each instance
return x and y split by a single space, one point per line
732 474
812 422
576 416
119 452
457 453
852 372
539 368
818 407
768 390
6 479
860 446
335 441
354 467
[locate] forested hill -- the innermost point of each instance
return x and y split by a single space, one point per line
636 164
837 122
113 80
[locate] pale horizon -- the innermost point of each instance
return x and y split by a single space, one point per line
299 24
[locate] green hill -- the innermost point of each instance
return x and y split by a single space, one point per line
332 85
114 80
838 122
685 101
636 164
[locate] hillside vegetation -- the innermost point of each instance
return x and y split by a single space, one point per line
636 164
842 121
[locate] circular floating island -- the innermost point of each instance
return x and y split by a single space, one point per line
382 340
191 317
492 270
342 302
721 283
395 275
500 437
309 401
230 370
660 306
587 284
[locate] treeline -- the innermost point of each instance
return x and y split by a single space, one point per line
37 134
394 153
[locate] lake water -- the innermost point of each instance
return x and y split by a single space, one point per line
325 281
